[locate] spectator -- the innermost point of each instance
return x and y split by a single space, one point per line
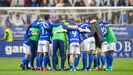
17 3
122 2
26 3
88 2
18 20
3 3
115 2
39 2
127 2
93 3
131 3
8 33
123 18
67 3
55 2
99 2
34 3
45 3
106 2
79 3
8 2
130 17
28 19
9 19
61 3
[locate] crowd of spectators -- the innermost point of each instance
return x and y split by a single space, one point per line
19 19
64 3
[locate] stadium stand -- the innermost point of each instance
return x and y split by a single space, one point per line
64 3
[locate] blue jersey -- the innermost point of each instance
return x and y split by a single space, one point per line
104 30
73 35
85 34
36 23
45 30
26 37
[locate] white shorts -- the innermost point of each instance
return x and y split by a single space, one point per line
43 46
26 49
74 48
88 44
104 47
111 46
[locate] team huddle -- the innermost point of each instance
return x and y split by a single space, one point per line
92 41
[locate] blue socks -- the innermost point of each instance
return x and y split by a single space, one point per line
45 61
110 59
40 61
90 60
25 61
96 61
84 60
102 57
76 61
71 66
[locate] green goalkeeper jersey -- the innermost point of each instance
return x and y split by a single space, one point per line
58 36
32 31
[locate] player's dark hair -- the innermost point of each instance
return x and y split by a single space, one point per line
46 17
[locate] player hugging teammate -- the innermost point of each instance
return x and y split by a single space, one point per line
93 41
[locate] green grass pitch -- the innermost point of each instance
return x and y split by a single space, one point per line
10 66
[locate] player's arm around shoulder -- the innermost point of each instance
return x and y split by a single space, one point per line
84 30
62 30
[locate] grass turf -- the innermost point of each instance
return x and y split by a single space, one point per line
10 66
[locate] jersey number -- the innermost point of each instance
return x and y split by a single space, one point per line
74 33
43 31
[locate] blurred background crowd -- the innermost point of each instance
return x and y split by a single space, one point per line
121 17
64 3
16 18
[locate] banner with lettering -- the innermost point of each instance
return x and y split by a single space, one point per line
124 46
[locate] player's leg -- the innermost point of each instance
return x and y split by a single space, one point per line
84 60
33 53
103 60
71 62
25 60
96 62
77 53
102 55
46 54
85 53
91 50
96 59
50 54
109 56
68 57
39 58
54 57
62 54
71 56
27 57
